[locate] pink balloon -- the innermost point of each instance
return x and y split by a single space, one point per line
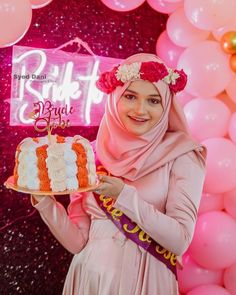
167 50
15 19
207 67
218 33
182 32
193 275
209 290
214 242
174 1
230 203
163 6
184 97
123 5
232 128
229 279
39 3
209 14
207 117
231 88
211 202
220 165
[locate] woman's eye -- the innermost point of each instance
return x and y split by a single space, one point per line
154 100
129 96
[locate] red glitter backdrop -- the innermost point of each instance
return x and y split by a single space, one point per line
32 261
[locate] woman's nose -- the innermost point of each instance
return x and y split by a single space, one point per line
140 107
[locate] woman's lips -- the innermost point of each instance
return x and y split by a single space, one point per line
138 120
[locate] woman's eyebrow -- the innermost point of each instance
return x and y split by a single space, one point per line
158 95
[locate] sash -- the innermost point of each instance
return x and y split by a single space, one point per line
131 230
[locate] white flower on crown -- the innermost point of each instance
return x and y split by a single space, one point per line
128 72
171 77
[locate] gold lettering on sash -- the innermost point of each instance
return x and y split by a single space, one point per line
116 213
173 259
160 251
144 237
132 231
167 254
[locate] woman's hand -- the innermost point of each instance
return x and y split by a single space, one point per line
109 186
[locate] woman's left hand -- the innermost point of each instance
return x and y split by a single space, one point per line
109 186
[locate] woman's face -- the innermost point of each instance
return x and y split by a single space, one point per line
140 107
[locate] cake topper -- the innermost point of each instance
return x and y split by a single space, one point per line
48 117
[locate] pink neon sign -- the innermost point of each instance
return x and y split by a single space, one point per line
61 77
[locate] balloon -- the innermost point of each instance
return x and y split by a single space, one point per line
123 5
39 3
231 89
213 244
218 33
209 290
209 14
15 19
174 1
232 128
211 202
232 62
228 42
205 64
193 275
182 32
184 97
167 50
207 117
229 279
163 6
230 203
221 165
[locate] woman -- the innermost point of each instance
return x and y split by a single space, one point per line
155 174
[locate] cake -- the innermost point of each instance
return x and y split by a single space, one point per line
64 163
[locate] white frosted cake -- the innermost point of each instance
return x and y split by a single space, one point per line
66 163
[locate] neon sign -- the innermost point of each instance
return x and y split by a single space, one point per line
61 77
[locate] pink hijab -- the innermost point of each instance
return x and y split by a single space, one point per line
124 154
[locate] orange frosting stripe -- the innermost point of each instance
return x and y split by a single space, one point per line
44 181
81 162
60 139
35 139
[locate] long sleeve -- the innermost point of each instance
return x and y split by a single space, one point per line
72 229
174 229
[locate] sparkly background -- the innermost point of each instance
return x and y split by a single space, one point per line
32 261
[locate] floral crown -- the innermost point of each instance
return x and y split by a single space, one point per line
151 71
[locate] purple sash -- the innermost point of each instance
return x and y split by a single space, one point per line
131 230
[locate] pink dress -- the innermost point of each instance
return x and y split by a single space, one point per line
105 262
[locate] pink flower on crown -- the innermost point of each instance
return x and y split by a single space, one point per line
107 82
180 82
153 71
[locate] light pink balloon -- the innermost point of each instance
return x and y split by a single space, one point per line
209 14
220 165
230 203
230 279
15 19
174 1
123 5
231 88
167 50
214 242
163 6
211 202
218 33
193 275
184 97
207 117
182 32
209 290
207 67
232 127
39 3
